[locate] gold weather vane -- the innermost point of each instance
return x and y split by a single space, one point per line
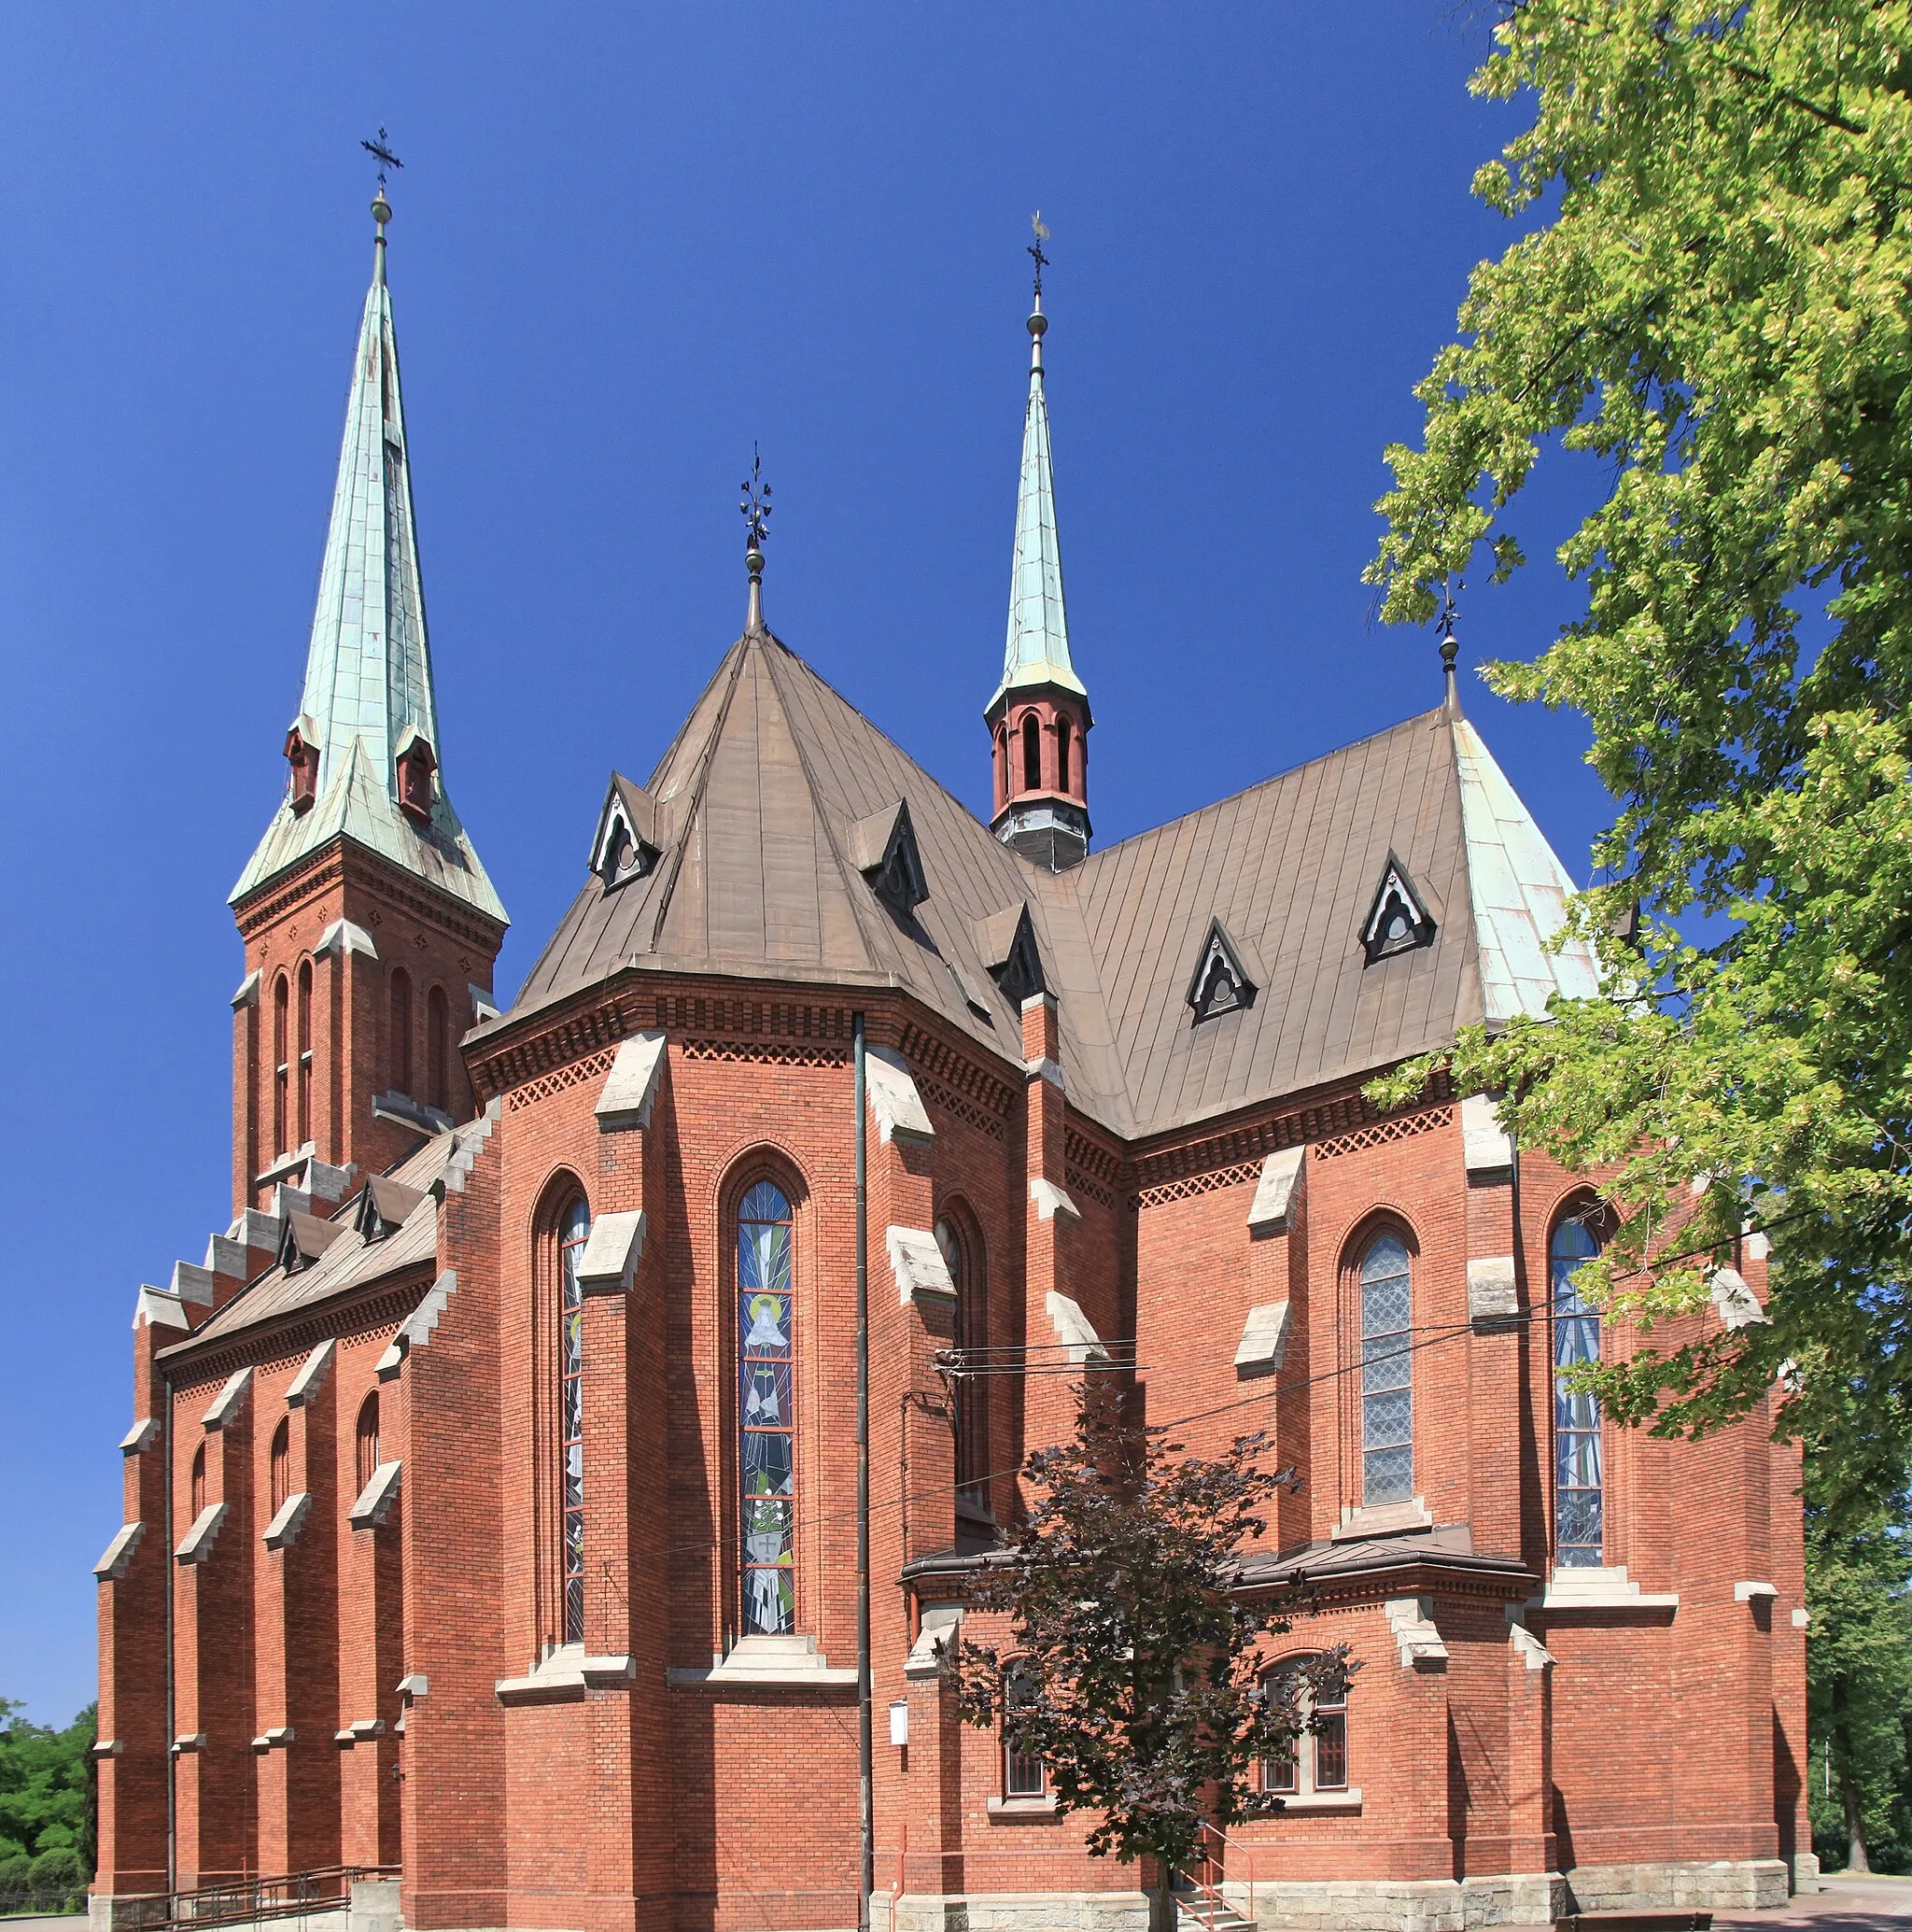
1042 260
383 155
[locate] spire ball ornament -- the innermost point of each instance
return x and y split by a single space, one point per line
755 511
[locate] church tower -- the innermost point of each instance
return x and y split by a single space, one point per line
1039 717
370 926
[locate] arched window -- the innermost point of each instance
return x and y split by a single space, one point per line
1579 1529
1319 1762
198 1485
282 1465
1003 782
1063 736
963 1257
1032 753
401 1030
365 1443
573 1230
765 1411
282 1070
438 1031
304 1052
1025 1774
1388 1401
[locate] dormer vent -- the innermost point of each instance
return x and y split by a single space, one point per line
882 846
416 765
385 1206
1225 980
628 843
302 754
1398 920
305 1238
1006 941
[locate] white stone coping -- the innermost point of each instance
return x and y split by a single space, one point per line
1801 1619
1486 1147
1525 1645
1411 1620
191 1283
375 1501
1493 1294
106 1748
277 1739
1027 1811
894 1099
204 1532
1043 1068
1738 1306
365 1729
484 1004
416 1329
1747 1592
1381 1519
140 1437
941 1627
1347 1801
630 1088
917 1261
563 1677
1274 1193
1264 1344
769 1660
225 1256
312 1373
247 991
282 1532
342 937
188 1741
1051 1202
1073 1329
284 1166
609 1264
230 1399
1598 1587
155 1309
118 1553
412 1687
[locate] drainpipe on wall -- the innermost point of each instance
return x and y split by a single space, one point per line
172 1714
868 1863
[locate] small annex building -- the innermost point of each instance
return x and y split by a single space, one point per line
492 1478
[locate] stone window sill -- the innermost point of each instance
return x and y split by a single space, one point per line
565 1676
795 1661
1349 1801
1022 1810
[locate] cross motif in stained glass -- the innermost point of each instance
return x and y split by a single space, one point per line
1578 1492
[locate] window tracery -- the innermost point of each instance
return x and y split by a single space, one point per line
765 1411
1388 1417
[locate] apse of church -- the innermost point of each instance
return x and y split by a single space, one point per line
490 1528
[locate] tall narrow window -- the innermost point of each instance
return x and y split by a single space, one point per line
1387 1402
282 1071
1579 1528
282 1465
1062 734
401 1030
765 1411
573 1231
1002 779
965 1263
1032 753
304 1052
197 1490
365 1443
438 1029
1025 1774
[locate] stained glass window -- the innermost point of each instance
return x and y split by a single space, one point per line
573 1231
765 1414
1578 1524
304 1052
1388 1400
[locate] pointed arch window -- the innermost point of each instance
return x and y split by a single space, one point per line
963 1257
1387 1401
196 1490
1579 1488
401 1030
282 1068
1032 753
765 1411
304 1052
574 1230
1003 783
365 1442
281 1465
1062 736
438 1029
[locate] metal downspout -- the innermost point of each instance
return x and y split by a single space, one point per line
864 1750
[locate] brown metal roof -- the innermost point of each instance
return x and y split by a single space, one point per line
762 803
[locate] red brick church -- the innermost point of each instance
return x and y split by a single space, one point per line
491 1490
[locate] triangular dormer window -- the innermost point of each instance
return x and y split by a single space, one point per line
1398 920
304 1238
882 846
627 845
415 762
1224 982
1010 951
385 1206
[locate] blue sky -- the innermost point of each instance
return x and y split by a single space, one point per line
630 241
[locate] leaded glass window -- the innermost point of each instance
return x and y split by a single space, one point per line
1388 1400
573 1231
1025 1775
1578 1526
766 1412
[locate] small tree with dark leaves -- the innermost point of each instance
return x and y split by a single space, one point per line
1139 1670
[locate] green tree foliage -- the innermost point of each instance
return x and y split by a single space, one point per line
1712 300
1139 1674
47 1837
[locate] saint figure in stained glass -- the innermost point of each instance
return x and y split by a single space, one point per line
765 1414
574 1230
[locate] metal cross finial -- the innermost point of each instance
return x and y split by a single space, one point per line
383 155
1450 644
1042 260
755 506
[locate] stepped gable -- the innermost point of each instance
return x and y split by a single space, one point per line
759 797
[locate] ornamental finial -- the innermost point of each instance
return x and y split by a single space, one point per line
1038 322
1450 651
381 209
755 508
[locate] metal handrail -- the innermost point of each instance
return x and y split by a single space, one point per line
240 1901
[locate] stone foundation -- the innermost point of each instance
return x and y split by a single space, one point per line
1011 1911
1728 1885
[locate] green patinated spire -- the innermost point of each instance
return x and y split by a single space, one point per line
1037 651
367 667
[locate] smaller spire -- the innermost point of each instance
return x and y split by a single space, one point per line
756 509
